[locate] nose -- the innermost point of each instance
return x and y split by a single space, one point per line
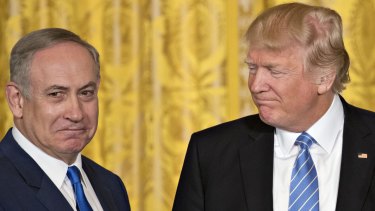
258 81
74 109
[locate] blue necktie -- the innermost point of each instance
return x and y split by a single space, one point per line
74 176
304 190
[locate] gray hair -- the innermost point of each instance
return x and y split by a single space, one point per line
23 51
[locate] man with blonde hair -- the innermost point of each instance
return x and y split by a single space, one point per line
307 148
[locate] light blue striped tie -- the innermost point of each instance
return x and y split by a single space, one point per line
304 189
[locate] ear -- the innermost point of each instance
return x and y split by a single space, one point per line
326 82
15 99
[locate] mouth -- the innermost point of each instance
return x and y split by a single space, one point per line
72 129
73 132
261 100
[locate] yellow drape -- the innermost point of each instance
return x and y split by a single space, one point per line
169 67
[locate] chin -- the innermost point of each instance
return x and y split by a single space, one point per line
75 145
265 116
268 119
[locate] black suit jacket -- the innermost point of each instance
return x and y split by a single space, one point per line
230 166
25 186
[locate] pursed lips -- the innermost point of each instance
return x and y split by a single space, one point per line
73 130
262 100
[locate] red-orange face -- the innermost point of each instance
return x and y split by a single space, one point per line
283 94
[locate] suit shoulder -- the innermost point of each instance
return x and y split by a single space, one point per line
98 173
364 112
101 177
235 127
95 167
230 134
364 115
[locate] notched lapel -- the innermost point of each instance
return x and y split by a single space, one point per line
33 176
256 160
51 197
103 193
357 165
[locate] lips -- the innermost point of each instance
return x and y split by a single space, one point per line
73 133
73 130
72 127
262 99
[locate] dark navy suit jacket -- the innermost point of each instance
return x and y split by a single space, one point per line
25 186
230 166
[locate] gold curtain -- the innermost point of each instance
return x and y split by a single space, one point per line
169 68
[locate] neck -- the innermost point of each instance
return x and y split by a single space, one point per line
314 114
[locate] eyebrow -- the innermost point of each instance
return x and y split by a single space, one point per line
248 62
269 65
90 84
64 88
56 87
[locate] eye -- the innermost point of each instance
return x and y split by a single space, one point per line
273 72
252 68
55 94
276 73
87 93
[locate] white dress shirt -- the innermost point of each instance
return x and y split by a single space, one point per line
56 170
328 132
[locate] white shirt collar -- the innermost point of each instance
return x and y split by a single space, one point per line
54 168
324 131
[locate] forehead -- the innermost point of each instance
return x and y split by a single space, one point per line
292 54
65 62
61 49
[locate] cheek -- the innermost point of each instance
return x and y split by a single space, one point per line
37 112
300 98
50 111
92 112
91 121
250 81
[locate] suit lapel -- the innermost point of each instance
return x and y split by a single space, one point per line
103 193
52 199
34 177
356 173
256 160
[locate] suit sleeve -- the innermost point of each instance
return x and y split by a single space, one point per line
189 194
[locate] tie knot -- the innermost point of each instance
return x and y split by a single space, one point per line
305 140
74 174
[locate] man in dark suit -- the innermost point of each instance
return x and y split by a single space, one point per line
307 149
52 93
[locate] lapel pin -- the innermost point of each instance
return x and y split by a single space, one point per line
362 155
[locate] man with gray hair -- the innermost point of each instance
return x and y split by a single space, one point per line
307 148
53 95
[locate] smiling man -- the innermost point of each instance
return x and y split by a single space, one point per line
53 95
307 148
